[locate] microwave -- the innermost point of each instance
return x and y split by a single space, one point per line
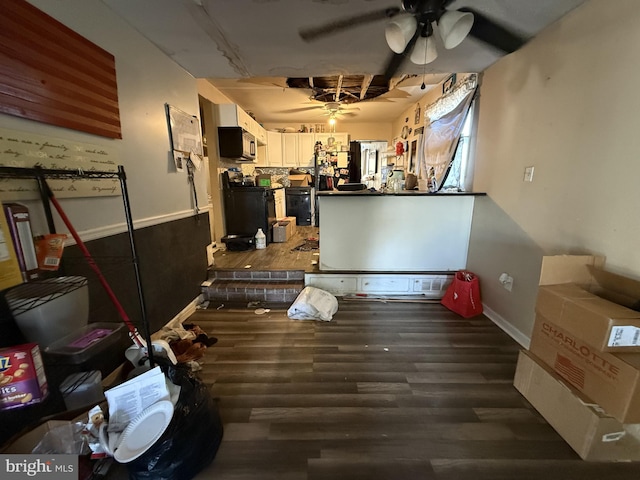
237 144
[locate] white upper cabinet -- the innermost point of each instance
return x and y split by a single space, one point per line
290 149
230 115
306 151
340 140
274 149
298 149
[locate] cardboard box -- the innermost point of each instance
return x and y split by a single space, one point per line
19 222
300 180
10 274
282 231
263 180
22 377
27 442
594 435
610 379
594 306
293 223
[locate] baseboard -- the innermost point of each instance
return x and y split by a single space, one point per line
185 313
508 328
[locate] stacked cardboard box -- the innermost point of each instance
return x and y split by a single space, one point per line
593 434
284 229
586 341
300 180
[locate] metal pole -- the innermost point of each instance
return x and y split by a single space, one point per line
44 197
127 210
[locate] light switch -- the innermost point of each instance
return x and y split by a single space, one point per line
528 174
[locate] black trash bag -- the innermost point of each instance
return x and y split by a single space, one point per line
192 438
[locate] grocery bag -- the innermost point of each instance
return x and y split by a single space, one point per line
313 304
463 295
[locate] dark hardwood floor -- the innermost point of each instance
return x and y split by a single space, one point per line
277 256
384 391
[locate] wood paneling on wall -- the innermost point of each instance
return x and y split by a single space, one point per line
51 74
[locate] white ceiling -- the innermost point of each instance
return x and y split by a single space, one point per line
231 42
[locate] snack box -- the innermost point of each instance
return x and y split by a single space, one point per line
22 378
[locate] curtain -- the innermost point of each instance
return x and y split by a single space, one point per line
443 125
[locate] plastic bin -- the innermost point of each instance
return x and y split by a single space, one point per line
85 343
47 310
82 389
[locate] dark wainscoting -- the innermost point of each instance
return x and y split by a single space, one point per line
173 262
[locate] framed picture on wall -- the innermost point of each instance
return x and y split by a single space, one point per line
448 84
413 152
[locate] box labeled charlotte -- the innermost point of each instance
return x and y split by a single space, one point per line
22 377
596 306
592 433
610 380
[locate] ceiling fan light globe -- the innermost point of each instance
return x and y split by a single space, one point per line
424 51
454 27
399 31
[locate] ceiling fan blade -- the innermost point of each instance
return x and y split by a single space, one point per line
280 82
313 33
396 60
487 31
298 110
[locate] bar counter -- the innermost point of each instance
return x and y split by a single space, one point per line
407 231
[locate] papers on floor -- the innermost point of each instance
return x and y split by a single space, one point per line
129 399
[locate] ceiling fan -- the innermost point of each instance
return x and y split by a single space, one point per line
330 109
411 30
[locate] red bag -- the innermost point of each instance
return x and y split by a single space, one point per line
463 295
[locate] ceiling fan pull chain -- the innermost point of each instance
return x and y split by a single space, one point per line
424 70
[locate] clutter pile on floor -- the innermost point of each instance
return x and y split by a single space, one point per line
309 244
188 343
159 422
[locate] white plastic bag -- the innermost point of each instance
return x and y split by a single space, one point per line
313 304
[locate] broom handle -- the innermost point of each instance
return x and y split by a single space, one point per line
94 267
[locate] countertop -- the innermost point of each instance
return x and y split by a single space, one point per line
403 193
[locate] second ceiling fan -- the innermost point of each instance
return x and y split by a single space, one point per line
410 32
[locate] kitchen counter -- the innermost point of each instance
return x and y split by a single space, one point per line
403 193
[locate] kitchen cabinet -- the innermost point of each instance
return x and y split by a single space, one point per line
298 149
290 149
340 140
306 152
274 150
231 115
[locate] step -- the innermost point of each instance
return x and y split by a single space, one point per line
252 290
246 274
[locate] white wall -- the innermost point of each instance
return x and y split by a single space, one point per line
147 79
567 104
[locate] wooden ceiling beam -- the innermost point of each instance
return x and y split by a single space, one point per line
338 87
366 81
393 83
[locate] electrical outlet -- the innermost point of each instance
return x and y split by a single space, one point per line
528 174
506 281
